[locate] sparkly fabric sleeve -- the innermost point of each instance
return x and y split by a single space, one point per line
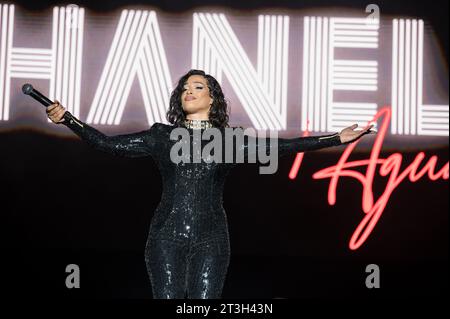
290 145
138 144
307 143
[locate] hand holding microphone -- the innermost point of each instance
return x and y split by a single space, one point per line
55 111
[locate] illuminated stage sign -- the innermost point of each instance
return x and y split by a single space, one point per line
325 74
340 72
389 167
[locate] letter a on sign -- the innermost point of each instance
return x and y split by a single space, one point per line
373 280
73 279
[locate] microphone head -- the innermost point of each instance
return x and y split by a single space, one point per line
27 88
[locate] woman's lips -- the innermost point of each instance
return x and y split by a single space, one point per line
189 98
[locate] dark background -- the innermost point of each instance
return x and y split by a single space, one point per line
64 203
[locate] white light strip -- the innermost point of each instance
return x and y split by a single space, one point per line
355 69
304 107
443 120
31 51
323 115
346 123
25 75
394 99
355 39
356 33
265 74
272 77
356 63
355 87
330 72
354 81
312 71
401 76
432 126
52 57
420 77
355 27
277 66
278 70
407 74
354 75
317 73
32 57
66 70
3 37
285 56
362 21
355 45
79 52
434 108
435 132
30 69
73 51
371 106
353 111
8 61
414 78
349 117
435 114
15 62
59 68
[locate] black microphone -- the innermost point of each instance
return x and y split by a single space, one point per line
38 96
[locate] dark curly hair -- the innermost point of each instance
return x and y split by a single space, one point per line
218 113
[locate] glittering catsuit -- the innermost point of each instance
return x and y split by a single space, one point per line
187 252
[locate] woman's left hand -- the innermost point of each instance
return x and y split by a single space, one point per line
348 134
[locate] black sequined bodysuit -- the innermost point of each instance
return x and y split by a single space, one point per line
187 250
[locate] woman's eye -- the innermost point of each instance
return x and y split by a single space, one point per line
197 87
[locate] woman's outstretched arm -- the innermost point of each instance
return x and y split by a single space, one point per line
307 143
138 144
301 144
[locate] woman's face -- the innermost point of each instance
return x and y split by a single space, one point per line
195 97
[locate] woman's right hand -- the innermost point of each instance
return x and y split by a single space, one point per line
55 112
